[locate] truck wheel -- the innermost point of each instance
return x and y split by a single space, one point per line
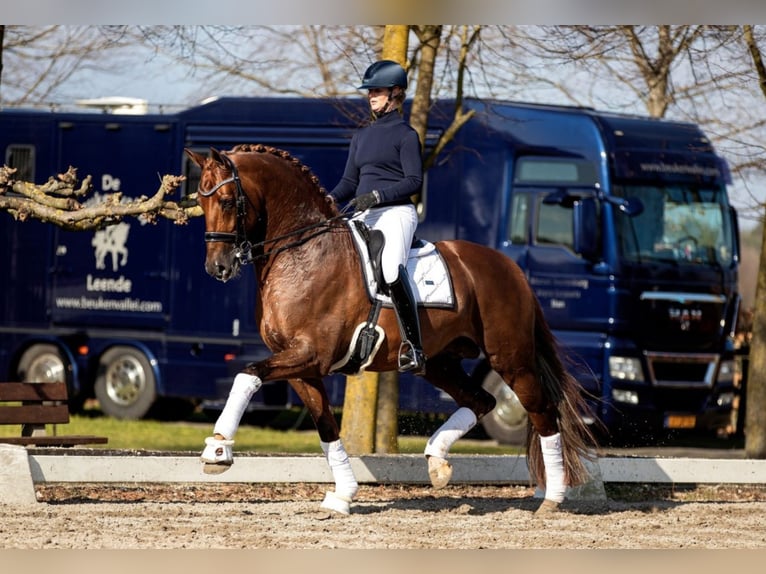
507 422
125 387
43 363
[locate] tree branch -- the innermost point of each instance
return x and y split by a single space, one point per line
58 202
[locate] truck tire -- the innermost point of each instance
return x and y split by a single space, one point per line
125 386
43 363
507 422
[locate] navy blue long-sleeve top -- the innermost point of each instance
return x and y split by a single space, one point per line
383 156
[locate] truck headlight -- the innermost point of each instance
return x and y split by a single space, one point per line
625 369
623 396
726 372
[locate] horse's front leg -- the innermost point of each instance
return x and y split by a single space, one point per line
217 455
313 394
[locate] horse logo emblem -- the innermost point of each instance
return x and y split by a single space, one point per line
111 241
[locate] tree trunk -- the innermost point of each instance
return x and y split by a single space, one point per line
430 39
755 418
2 43
387 423
359 407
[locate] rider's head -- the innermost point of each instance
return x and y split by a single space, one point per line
386 82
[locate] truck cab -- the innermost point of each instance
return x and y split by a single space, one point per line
623 227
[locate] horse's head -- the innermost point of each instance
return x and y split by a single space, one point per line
238 188
222 201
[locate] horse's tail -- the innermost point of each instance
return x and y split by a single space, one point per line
564 392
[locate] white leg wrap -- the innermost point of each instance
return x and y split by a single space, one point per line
242 390
346 486
461 421
554 467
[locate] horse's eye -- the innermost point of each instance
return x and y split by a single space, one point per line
227 203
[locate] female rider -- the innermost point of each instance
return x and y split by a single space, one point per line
383 170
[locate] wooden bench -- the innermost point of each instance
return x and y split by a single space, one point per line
33 405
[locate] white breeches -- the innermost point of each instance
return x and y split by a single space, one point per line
398 224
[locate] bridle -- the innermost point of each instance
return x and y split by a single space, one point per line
243 249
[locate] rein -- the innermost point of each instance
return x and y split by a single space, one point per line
243 248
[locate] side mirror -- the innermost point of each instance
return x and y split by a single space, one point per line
587 229
560 197
630 206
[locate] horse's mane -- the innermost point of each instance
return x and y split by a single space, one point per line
285 155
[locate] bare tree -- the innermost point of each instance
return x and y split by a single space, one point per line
306 61
38 61
640 59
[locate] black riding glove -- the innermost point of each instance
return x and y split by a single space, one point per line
365 201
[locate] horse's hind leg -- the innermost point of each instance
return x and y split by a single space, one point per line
547 444
446 372
217 456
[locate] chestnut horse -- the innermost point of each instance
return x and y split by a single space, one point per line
262 205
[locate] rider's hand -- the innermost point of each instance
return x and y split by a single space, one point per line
365 201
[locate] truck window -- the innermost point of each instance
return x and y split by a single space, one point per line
679 223
22 158
192 173
555 171
554 225
517 230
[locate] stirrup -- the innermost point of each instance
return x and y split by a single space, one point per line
411 359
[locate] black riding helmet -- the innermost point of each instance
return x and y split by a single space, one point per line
384 74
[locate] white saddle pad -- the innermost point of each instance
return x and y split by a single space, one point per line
429 277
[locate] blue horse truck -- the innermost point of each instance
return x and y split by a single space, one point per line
621 223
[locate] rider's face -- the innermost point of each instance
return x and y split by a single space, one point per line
378 98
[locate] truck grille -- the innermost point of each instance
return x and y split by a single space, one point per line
681 370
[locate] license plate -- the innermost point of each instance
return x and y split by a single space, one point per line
680 421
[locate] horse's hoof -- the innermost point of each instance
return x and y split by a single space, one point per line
217 456
215 467
547 507
440 471
336 503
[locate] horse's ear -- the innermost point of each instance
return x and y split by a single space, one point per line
195 157
216 155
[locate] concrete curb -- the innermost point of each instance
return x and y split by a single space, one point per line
16 486
20 469
404 468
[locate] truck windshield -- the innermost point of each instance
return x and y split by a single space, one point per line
680 223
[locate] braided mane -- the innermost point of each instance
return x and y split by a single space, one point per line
260 148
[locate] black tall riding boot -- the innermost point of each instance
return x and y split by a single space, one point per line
411 357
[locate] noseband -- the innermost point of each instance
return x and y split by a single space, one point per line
243 249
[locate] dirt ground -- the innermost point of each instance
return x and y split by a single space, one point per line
279 516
